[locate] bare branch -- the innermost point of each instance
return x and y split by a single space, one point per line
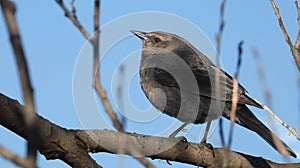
286 36
235 95
95 42
96 15
73 19
294 48
8 9
217 77
267 94
297 44
72 146
298 86
221 29
298 12
73 11
100 90
97 84
54 143
290 129
14 158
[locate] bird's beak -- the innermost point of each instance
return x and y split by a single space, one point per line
139 34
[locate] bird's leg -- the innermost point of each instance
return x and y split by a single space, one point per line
206 132
178 130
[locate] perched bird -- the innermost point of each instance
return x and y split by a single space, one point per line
180 81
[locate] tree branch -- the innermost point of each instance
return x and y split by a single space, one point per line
74 20
8 9
72 146
96 69
95 42
217 77
14 158
54 142
294 48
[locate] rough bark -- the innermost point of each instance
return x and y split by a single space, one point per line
73 146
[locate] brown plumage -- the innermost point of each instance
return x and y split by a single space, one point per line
180 81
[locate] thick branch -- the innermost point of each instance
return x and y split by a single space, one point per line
54 142
72 146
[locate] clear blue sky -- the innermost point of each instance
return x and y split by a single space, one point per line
52 46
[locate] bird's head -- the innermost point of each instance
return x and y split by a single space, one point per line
158 39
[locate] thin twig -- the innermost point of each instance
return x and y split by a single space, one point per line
298 12
297 44
267 94
286 36
120 104
268 98
8 9
239 63
74 20
73 11
14 158
96 69
97 84
235 95
217 77
298 92
294 49
120 95
290 129
221 28
261 75
94 41
101 92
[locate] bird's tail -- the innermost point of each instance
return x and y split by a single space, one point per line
247 119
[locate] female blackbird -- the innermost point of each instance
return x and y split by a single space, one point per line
180 81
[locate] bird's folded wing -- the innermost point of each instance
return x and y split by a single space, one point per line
207 85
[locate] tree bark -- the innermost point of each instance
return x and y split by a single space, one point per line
73 146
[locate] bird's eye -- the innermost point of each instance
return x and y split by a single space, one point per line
156 39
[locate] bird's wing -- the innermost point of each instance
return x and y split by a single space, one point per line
223 89
204 72
206 81
163 77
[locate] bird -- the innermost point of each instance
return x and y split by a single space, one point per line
180 81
